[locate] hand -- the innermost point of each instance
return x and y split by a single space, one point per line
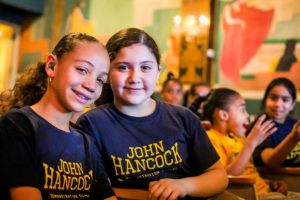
279 186
166 189
296 130
260 131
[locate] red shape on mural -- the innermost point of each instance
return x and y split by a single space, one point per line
245 28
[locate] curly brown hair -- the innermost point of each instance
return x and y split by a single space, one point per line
28 89
33 82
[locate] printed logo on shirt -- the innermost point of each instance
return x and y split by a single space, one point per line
145 158
67 176
295 154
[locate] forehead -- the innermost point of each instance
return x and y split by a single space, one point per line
280 90
136 52
173 84
90 52
237 100
201 88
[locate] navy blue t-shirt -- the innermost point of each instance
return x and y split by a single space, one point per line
169 143
61 164
293 159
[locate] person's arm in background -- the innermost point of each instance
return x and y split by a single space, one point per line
273 157
260 131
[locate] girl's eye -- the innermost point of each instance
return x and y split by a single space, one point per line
123 67
286 99
82 70
243 109
100 81
273 97
146 68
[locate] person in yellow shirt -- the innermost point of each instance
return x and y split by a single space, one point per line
226 110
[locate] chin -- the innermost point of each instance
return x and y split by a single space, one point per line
78 108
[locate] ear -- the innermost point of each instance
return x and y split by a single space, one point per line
223 114
159 71
293 105
50 65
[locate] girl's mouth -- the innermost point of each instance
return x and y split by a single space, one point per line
246 126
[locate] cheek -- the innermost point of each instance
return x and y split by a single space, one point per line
98 92
150 82
289 107
115 80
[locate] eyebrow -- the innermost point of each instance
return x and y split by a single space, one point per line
243 104
91 64
104 74
143 62
85 61
280 96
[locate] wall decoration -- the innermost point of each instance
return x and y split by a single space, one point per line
257 41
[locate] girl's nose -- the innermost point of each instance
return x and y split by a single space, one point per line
278 102
90 84
134 76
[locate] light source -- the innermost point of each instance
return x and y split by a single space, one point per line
191 25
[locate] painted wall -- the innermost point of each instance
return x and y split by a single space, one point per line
106 18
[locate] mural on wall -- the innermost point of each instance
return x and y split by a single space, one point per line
98 18
257 42
76 21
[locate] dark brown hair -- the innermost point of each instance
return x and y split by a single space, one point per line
33 82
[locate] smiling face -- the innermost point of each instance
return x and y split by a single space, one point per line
279 103
237 116
133 75
78 76
172 93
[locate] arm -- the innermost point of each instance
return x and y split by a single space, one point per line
24 193
111 198
259 133
197 186
273 157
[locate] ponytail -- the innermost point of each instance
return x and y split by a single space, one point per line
29 89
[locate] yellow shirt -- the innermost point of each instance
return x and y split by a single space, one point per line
228 148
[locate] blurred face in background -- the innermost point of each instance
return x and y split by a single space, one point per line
200 91
279 103
172 93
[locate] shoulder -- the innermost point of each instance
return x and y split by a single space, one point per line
98 111
180 114
177 110
17 124
14 116
290 120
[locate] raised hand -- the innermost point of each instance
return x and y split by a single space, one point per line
296 130
260 131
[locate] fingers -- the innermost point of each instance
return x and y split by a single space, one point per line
297 125
282 187
261 119
162 190
268 127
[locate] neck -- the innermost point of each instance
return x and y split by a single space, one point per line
52 113
144 109
220 127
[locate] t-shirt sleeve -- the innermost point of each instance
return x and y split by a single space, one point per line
267 143
219 149
202 152
84 124
17 152
101 188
